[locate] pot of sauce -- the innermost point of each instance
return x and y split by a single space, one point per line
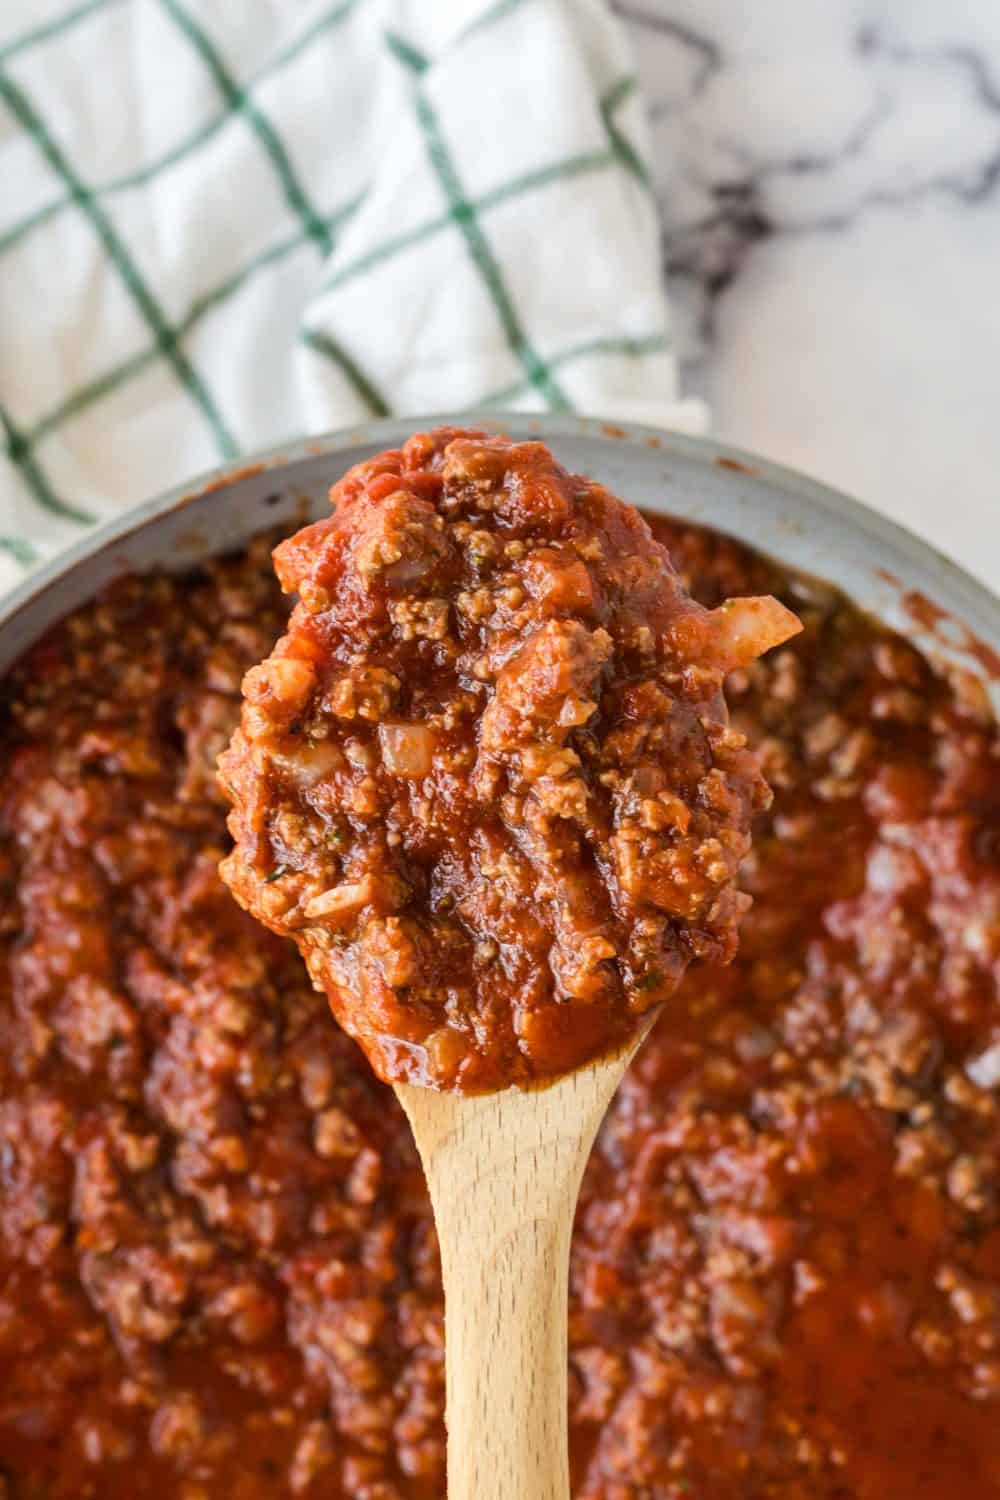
786 1271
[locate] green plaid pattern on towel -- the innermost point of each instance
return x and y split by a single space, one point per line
223 225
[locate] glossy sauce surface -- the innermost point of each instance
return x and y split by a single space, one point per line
218 1273
485 779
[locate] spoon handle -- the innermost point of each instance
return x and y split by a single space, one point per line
504 1172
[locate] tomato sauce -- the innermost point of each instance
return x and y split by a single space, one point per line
485 779
218 1269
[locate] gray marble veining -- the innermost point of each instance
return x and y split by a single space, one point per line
829 174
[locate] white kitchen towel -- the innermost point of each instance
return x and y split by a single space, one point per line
225 223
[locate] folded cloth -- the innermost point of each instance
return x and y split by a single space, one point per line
223 225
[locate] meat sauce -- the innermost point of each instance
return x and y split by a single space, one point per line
485 779
218 1270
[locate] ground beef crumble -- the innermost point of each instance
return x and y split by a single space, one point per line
485 779
218 1270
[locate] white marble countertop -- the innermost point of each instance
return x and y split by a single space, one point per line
829 172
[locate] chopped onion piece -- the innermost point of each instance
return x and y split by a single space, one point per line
407 749
984 1070
744 629
341 901
307 764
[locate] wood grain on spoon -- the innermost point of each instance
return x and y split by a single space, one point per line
504 1172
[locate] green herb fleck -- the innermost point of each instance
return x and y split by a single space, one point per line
276 874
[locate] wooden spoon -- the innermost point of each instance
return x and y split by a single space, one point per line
504 1172
342 762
